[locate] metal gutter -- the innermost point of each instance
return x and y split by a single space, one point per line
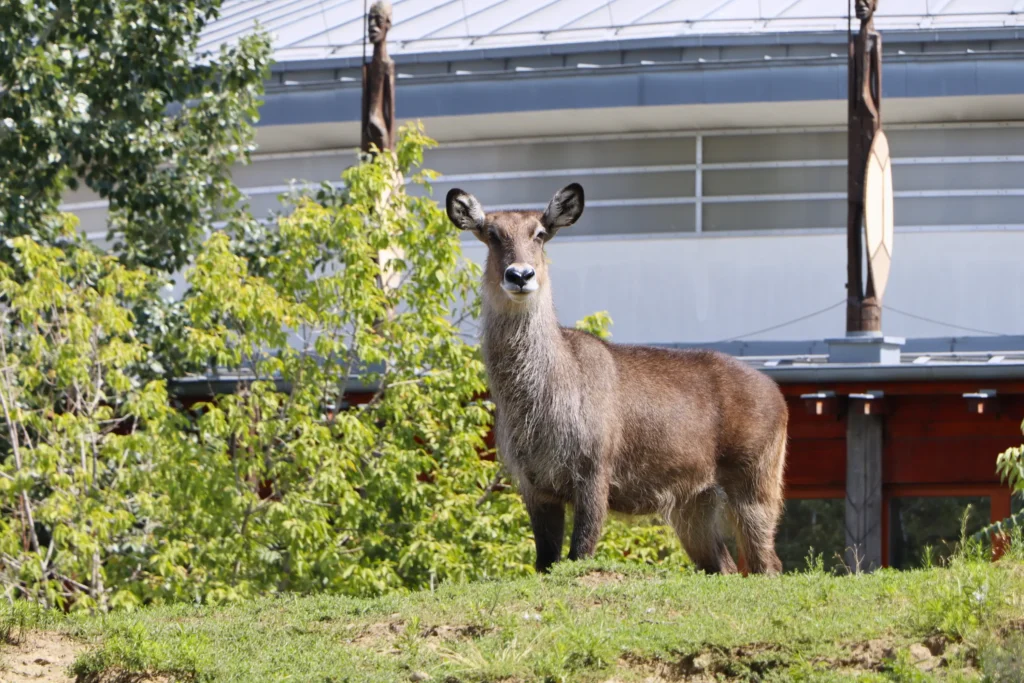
904 372
201 387
930 346
793 358
777 80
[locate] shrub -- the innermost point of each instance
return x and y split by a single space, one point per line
114 494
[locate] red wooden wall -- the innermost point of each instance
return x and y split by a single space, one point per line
933 444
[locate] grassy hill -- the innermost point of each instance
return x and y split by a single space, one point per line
585 622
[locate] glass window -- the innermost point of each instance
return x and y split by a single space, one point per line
775 215
773 147
817 524
1017 504
925 530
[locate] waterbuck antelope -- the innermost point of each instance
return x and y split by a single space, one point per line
603 426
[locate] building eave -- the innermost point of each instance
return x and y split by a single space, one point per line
819 373
750 81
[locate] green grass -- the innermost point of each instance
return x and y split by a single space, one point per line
587 622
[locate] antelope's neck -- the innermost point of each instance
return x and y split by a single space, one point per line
522 349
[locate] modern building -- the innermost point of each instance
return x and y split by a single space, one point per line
710 139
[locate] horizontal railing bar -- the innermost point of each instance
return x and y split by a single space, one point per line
656 201
787 197
555 172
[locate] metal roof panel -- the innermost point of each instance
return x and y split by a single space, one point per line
318 29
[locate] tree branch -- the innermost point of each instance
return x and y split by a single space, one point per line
28 523
491 489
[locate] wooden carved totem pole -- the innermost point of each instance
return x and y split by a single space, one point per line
378 119
869 179
378 83
870 225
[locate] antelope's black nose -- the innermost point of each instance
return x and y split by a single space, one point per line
519 275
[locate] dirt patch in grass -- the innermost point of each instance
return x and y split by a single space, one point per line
44 657
867 656
754 662
39 657
600 578
1014 627
379 634
712 664
449 632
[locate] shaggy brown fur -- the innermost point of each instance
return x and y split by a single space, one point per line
603 426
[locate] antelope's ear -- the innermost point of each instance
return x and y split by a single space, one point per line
464 210
565 208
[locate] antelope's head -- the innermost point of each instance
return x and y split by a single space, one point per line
516 269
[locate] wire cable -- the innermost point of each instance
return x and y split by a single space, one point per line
841 302
945 324
327 27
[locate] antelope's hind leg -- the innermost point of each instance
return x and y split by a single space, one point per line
756 519
755 504
698 524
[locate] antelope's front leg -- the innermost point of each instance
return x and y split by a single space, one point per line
589 507
547 517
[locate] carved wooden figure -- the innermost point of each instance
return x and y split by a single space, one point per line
378 82
863 310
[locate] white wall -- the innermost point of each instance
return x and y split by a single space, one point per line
703 289
748 237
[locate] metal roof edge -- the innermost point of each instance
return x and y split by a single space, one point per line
778 80
968 344
904 372
573 71
204 387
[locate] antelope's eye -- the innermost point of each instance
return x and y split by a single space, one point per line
492 237
540 235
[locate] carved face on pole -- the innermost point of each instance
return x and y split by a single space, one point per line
866 9
379 21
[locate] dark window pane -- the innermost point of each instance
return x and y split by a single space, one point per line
1017 504
923 528
806 525
774 147
811 524
769 215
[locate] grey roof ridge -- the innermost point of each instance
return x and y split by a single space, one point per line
709 65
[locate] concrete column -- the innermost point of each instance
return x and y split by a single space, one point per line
863 489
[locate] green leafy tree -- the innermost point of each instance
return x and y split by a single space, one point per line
110 497
598 324
76 457
92 92
388 495
1010 466
113 494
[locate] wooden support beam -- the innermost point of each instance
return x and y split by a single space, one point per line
864 433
